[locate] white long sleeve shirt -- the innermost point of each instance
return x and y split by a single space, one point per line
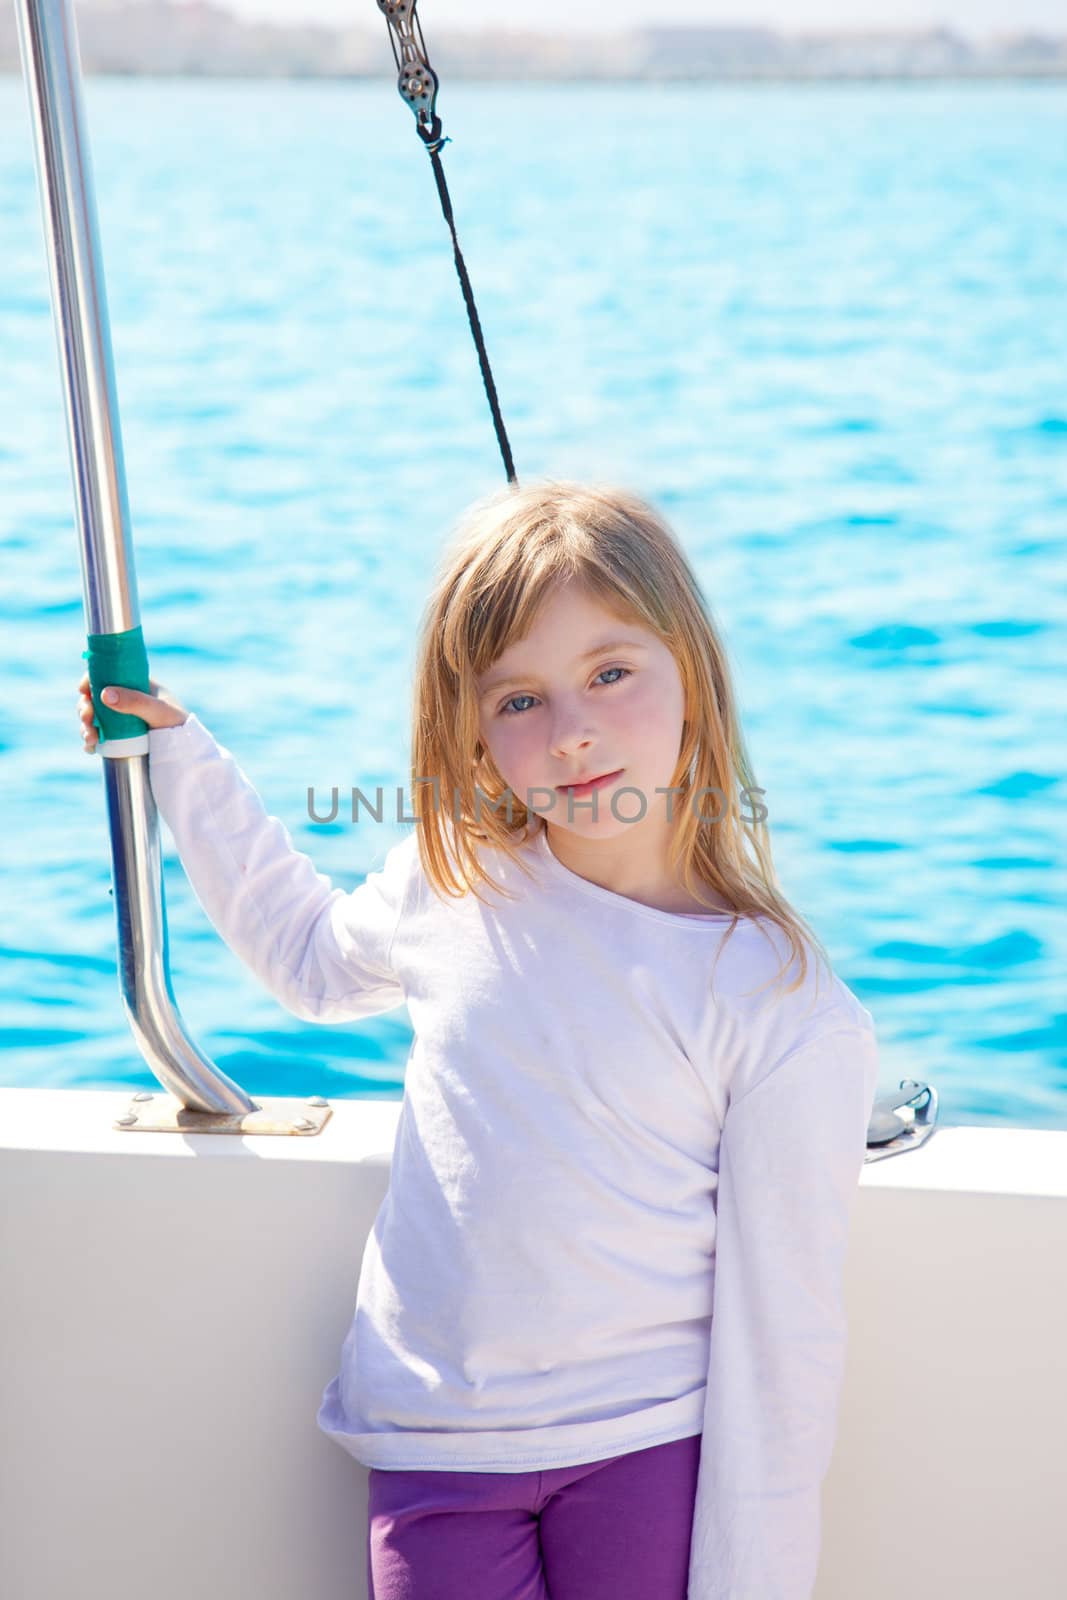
621 1187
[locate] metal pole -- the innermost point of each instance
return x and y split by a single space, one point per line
51 64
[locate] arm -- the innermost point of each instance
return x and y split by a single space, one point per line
790 1159
323 953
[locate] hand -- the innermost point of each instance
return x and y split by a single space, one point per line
159 709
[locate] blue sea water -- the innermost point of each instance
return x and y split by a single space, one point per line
823 327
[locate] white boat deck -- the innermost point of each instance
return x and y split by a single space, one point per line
174 1306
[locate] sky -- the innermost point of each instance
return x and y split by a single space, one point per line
974 17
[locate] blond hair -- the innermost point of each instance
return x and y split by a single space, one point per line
511 549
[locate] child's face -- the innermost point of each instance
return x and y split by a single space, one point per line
560 718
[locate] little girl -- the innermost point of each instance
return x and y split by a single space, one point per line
599 1332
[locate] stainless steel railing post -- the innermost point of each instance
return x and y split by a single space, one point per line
51 63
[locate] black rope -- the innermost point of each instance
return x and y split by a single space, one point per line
418 87
472 310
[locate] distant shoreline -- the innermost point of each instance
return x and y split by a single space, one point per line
841 80
157 39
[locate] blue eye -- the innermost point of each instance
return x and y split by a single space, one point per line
504 708
506 713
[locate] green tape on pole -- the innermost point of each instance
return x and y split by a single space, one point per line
121 659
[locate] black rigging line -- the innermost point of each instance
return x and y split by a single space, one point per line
417 84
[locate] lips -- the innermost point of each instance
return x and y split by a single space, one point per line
589 784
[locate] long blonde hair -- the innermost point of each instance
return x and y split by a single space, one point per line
510 551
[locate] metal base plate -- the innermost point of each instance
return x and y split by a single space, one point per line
901 1120
161 1113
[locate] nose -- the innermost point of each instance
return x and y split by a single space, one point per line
571 732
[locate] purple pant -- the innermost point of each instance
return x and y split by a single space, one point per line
617 1529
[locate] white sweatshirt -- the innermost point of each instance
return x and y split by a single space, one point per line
621 1188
